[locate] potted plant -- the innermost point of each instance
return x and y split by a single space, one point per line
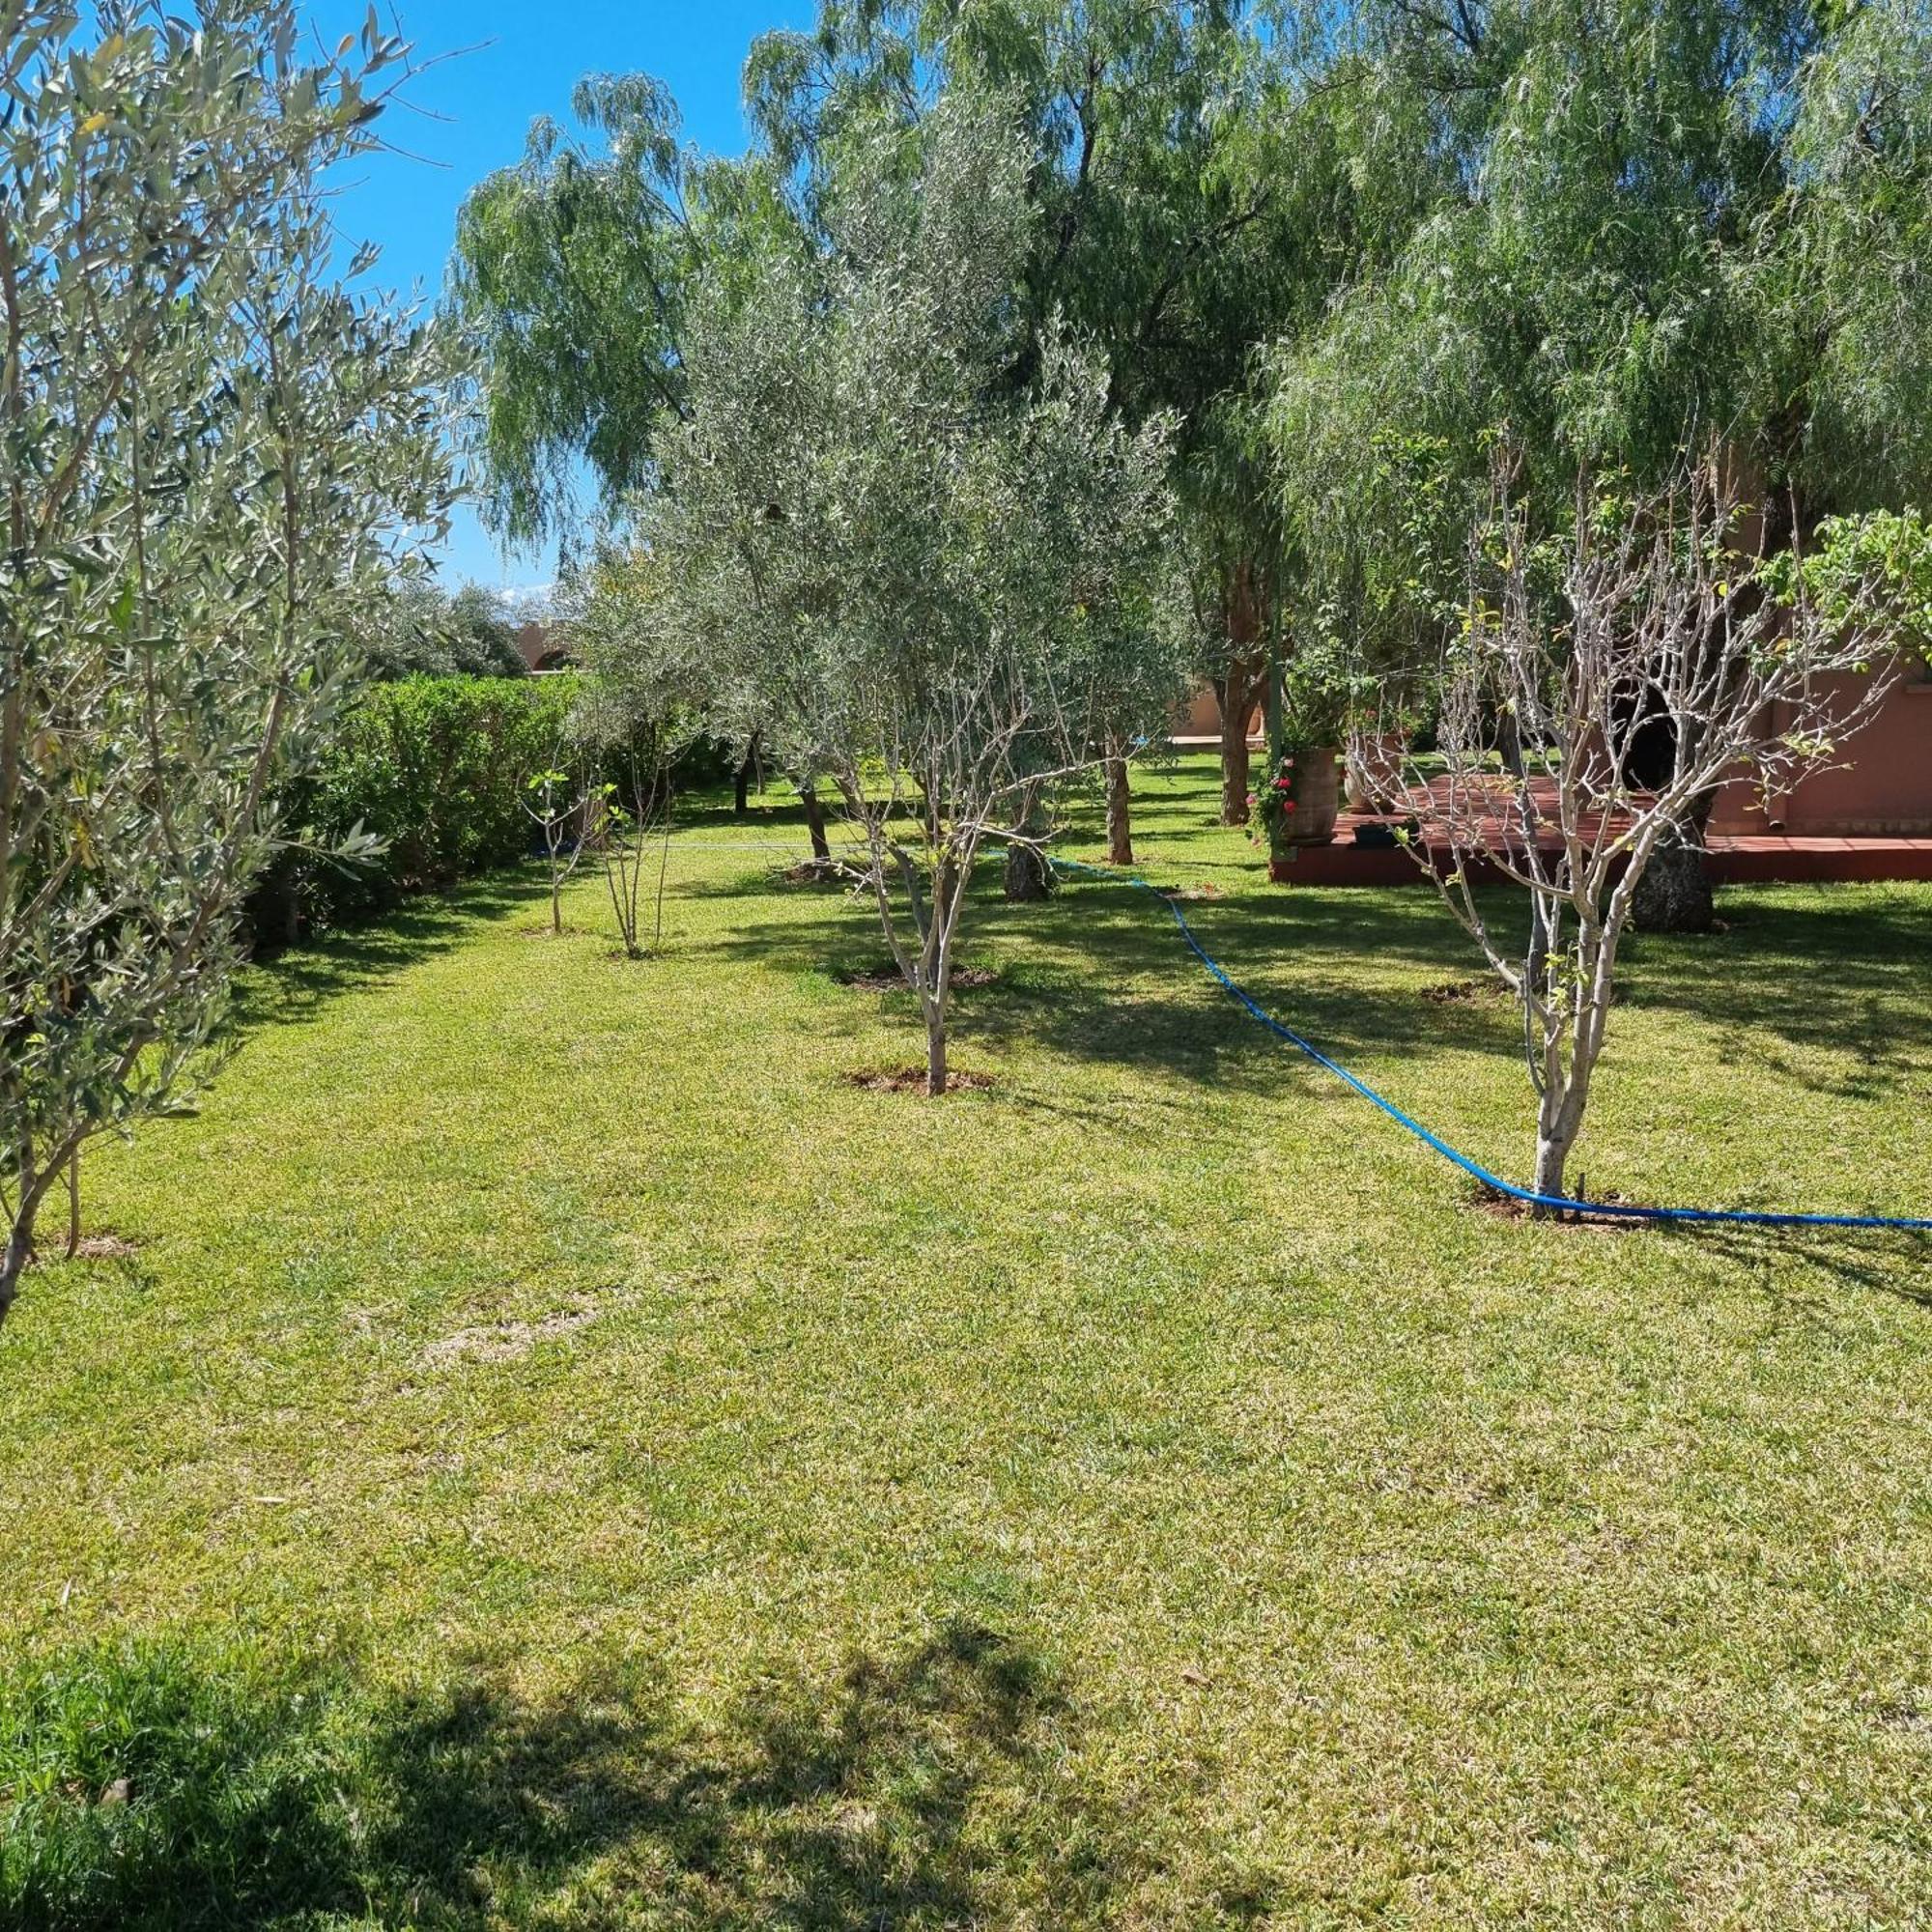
1297 804
1377 746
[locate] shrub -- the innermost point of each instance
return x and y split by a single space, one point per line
436 769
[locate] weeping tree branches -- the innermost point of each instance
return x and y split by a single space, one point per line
1630 234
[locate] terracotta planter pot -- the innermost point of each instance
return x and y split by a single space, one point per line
1318 799
1383 750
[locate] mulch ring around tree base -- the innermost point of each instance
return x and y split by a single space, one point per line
1453 992
818 872
102 1247
1507 1207
912 1080
888 979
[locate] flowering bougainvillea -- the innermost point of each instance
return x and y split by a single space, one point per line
1273 803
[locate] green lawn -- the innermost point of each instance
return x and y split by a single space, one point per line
563 1456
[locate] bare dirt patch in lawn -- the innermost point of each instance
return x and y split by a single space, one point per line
102 1247
888 979
1507 1207
912 1080
506 1341
1454 992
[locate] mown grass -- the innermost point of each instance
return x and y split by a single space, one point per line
559 1454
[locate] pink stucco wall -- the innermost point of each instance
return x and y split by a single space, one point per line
1201 717
1880 783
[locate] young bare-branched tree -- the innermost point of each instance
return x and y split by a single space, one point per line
561 805
910 562
1662 613
633 718
214 455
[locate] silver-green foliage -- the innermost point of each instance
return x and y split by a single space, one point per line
427 632
214 454
912 567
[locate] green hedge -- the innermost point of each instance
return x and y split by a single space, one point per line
435 767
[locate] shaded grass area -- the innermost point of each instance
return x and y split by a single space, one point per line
561 1455
167 1786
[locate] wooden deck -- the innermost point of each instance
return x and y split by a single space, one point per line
1748 858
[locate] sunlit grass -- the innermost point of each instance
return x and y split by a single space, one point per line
691 1490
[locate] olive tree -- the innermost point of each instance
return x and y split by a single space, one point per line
214 454
1664 610
1192 206
426 632
916 576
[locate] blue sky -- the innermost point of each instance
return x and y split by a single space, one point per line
522 61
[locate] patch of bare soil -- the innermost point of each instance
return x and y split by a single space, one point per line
888 979
1507 1207
816 873
506 1340
1459 992
1189 894
544 931
1453 992
92 1248
912 1080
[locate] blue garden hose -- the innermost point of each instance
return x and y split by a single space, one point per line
1561 1203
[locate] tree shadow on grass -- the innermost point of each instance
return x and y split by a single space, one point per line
921 1790
296 982
1100 973
1873 1260
1799 974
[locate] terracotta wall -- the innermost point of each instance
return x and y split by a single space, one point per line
1201 717
538 648
1882 785
1882 782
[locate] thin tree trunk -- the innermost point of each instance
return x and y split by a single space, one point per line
1026 879
741 782
664 866
1120 814
1556 1135
1240 688
19 1250
814 822
935 1045
1552 1154
73 1204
